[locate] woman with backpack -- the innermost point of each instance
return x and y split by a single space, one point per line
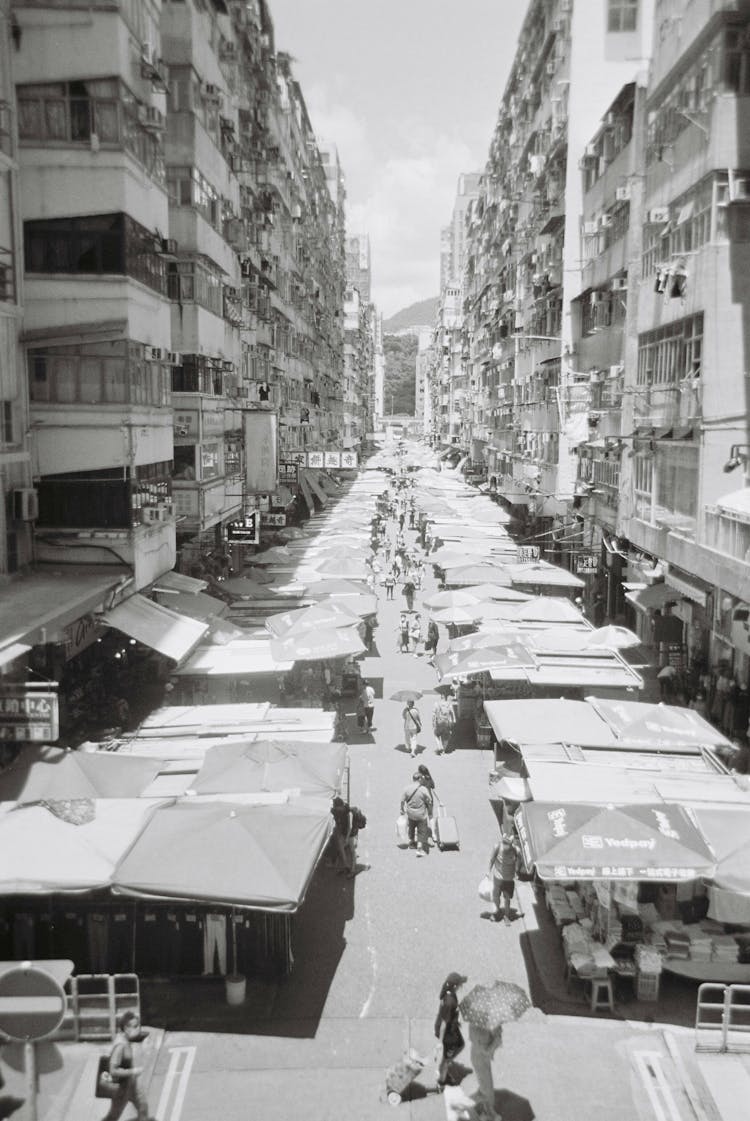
447 1027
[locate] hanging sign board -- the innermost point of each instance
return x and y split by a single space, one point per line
28 713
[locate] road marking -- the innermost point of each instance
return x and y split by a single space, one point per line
648 1065
177 1055
371 951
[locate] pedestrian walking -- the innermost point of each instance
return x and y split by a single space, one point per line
483 1044
443 719
416 803
401 520
418 573
412 727
431 642
123 1072
408 590
367 695
503 868
403 631
415 633
390 584
342 827
448 1028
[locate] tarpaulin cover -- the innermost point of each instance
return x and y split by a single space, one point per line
477 574
178 582
40 852
727 831
268 765
537 721
196 605
235 659
252 856
573 841
53 772
549 575
168 632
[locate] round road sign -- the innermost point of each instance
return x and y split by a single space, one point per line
32 1003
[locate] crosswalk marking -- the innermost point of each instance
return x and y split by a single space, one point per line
181 1061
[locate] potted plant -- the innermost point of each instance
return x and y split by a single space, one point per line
235 982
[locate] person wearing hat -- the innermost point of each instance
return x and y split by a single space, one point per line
416 803
447 1027
503 867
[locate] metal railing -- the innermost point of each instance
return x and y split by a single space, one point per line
722 1018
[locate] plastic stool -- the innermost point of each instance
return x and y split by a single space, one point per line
601 995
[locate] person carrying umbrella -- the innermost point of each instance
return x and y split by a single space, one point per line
448 1028
503 867
485 1008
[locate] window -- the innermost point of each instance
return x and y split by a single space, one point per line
671 353
194 282
622 15
6 422
736 67
109 373
95 244
188 187
677 488
210 461
643 482
198 374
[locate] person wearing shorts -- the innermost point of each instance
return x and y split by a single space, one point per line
503 867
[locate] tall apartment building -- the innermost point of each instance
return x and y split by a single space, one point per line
359 266
172 261
422 367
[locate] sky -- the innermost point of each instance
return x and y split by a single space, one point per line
409 91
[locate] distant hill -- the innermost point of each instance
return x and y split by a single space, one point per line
421 314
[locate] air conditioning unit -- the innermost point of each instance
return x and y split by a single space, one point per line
740 190
173 358
153 353
605 220
658 215
25 504
590 152
619 284
622 194
590 229
609 120
551 68
168 247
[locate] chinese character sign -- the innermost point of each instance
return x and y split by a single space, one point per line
333 459
261 452
349 460
27 714
315 459
586 562
525 554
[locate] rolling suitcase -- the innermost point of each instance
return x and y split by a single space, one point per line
446 830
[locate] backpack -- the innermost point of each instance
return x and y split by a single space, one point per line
359 821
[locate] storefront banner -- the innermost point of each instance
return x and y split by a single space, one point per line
288 469
586 563
261 444
527 553
28 714
349 461
332 459
273 519
316 459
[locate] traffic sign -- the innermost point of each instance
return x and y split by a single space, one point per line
32 1000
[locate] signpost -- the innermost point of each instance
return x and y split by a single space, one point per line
586 563
245 532
32 1007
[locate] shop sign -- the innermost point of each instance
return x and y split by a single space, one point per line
245 532
349 461
527 554
79 635
586 563
332 459
273 519
315 459
261 442
28 714
288 469
300 458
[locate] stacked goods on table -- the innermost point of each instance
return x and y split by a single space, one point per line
724 948
648 971
703 942
585 956
559 905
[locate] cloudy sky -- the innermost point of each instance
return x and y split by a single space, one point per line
409 92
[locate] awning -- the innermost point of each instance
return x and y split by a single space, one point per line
168 632
10 653
176 582
554 223
239 658
317 489
532 721
688 586
649 598
195 605
306 491
37 607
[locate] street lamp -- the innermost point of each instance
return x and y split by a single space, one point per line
738 454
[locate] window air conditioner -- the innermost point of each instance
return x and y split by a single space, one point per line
25 504
658 215
622 194
590 229
605 220
173 358
153 353
619 284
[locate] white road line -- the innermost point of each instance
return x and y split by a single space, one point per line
186 1055
648 1064
371 951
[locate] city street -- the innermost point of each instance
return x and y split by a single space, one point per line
370 956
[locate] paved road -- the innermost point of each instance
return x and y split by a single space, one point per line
371 954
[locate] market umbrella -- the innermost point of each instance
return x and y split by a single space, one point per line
260 856
727 829
278 554
491 1005
458 616
452 598
343 567
244 587
497 592
291 533
406 695
547 609
482 639
483 573
589 841
337 588
42 772
289 623
318 645
271 765
467 662
613 638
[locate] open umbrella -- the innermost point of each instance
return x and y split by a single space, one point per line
459 616
290 623
319 645
613 638
279 554
271 765
406 695
343 568
491 1005
548 609
453 598
482 639
489 592
336 588
481 660
483 573
41 772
